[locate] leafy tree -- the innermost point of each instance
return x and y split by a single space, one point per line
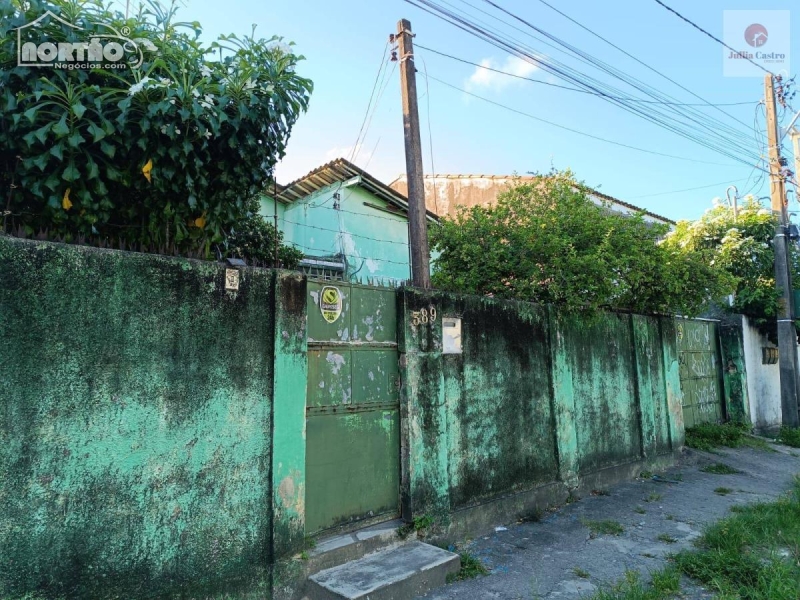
253 238
547 242
742 247
165 156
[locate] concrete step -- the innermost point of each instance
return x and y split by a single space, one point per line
398 573
338 549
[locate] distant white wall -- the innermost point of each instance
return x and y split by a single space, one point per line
763 381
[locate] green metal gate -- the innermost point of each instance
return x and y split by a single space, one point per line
698 357
353 407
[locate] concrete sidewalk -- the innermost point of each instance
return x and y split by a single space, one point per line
543 559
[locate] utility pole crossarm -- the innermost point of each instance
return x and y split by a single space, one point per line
787 335
417 223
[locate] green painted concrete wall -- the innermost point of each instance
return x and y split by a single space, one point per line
374 242
137 421
534 398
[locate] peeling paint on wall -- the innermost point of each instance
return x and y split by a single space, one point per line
534 398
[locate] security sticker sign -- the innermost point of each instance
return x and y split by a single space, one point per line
330 303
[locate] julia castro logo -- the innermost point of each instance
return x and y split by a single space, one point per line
756 35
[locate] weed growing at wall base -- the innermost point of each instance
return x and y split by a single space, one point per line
790 437
712 435
471 567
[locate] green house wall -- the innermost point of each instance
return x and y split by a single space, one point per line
374 242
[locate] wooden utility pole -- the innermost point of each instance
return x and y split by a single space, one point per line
787 336
417 217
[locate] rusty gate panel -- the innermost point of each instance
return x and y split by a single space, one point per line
352 412
699 363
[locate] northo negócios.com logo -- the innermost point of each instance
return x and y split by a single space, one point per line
111 50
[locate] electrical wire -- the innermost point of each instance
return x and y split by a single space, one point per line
576 131
430 133
702 187
625 77
375 108
686 123
375 86
363 237
563 47
713 37
513 51
565 87
644 64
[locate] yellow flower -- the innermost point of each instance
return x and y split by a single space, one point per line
200 221
147 168
66 204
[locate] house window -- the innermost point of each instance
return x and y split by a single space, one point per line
326 269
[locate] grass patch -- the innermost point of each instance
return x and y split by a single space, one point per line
723 491
471 567
789 437
719 469
666 538
653 497
604 527
664 585
753 554
581 573
419 524
640 510
712 435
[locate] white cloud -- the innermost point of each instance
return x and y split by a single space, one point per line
347 152
485 79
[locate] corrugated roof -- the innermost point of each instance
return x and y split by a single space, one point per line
341 170
535 177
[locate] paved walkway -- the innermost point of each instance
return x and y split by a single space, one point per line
543 559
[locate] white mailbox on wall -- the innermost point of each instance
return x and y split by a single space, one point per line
451 335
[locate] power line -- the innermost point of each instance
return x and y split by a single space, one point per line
351 212
375 107
638 84
644 64
430 134
566 87
375 86
712 138
364 237
713 37
564 127
702 187
705 122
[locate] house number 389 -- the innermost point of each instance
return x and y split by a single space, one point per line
424 316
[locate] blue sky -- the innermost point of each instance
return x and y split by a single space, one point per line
343 42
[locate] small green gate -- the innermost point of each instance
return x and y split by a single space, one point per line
353 407
700 371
